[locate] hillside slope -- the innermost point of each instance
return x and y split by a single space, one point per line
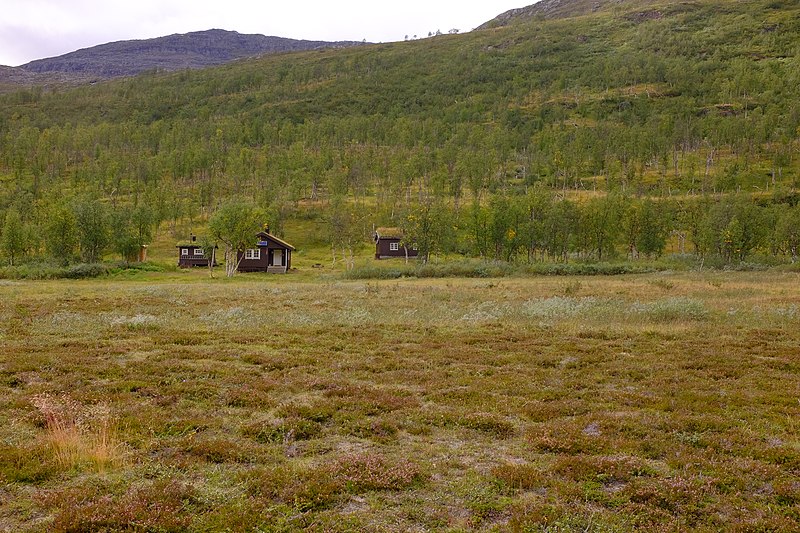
559 9
12 78
173 52
702 97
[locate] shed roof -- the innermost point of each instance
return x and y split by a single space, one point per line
280 242
389 233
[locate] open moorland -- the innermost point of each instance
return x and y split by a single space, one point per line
171 402
562 138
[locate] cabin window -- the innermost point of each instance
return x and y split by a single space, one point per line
252 253
414 246
394 246
198 251
184 251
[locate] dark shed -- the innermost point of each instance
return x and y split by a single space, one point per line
270 254
389 243
191 254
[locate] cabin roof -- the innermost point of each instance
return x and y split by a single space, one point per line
187 244
389 233
264 235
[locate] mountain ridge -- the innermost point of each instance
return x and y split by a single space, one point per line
172 52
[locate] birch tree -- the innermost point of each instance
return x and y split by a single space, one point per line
235 225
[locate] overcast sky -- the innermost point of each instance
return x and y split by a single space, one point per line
35 29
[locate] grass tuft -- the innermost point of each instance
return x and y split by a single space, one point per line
79 436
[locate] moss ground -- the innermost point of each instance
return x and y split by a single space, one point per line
655 402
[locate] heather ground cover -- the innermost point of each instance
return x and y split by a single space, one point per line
170 402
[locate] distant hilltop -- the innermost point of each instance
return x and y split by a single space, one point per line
174 52
554 9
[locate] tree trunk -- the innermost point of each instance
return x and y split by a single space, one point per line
231 261
211 263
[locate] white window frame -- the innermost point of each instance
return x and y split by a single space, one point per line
252 253
394 246
184 252
199 251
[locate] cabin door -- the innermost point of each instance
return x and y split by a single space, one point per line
277 258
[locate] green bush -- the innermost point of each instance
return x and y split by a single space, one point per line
125 267
40 271
86 270
31 271
499 269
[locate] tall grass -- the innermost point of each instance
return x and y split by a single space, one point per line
79 436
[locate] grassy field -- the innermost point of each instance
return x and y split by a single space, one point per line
171 402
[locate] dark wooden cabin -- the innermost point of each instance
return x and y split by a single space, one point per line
191 254
389 243
270 254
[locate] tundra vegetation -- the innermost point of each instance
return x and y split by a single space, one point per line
372 395
655 402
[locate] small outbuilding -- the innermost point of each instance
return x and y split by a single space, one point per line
192 254
389 243
270 254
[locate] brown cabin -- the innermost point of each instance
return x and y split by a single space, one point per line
270 254
389 243
191 254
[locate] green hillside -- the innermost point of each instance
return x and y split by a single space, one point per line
687 109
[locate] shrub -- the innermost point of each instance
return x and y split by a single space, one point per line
519 476
304 488
562 307
679 308
317 411
564 437
379 430
590 269
537 515
32 271
286 430
249 396
218 450
26 465
489 423
371 400
86 270
787 492
50 271
599 469
496 269
125 267
139 322
543 411
361 472
163 506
